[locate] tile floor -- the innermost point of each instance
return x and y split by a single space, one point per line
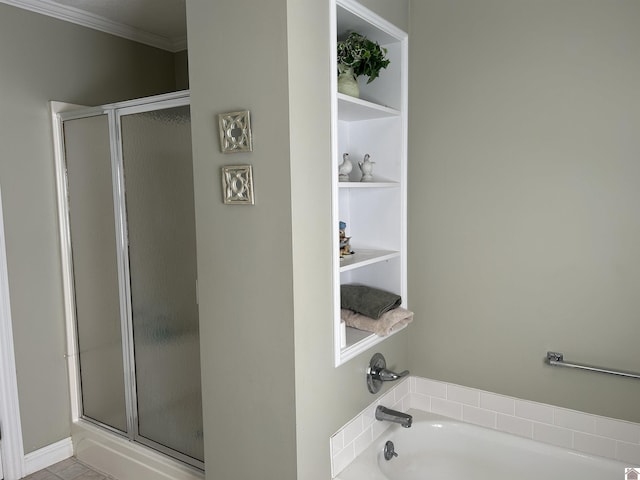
69 469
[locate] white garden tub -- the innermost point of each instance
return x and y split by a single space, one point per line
440 448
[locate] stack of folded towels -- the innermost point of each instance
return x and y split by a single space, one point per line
372 310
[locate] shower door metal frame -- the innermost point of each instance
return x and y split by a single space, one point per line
125 275
73 348
11 446
114 113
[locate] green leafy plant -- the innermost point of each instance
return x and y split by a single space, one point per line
362 56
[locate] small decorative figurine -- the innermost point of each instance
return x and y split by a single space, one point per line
344 169
345 248
367 168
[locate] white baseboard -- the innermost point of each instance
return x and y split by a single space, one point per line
111 455
47 456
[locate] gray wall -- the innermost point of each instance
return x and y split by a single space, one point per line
523 122
238 60
269 384
523 197
44 59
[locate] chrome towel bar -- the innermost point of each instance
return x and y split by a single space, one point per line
557 359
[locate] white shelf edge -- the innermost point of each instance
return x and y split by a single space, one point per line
374 109
367 104
382 184
357 348
373 256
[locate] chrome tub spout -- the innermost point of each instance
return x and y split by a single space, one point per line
386 414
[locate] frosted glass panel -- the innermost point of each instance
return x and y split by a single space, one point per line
162 255
93 241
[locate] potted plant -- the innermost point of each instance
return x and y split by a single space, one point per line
357 55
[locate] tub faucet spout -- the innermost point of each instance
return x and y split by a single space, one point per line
386 414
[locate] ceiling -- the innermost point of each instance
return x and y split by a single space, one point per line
159 23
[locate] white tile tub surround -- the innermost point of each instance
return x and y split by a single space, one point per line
583 432
352 439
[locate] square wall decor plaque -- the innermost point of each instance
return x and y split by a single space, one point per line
237 185
235 132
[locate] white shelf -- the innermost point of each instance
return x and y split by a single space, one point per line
355 336
359 340
376 184
352 109
364 257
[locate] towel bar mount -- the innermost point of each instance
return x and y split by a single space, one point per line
556 359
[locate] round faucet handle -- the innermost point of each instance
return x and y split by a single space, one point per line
389 450
378 373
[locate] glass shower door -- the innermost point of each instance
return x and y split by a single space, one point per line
95 270
132 256
158 180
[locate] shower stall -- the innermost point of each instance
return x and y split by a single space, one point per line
127 217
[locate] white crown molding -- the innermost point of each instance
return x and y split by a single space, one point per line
96 22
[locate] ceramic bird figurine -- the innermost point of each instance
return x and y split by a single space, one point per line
344 169
367 168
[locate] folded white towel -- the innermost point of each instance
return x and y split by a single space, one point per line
383 326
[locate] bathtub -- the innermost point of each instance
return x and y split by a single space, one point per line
440 448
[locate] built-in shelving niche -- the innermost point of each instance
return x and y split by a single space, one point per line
375 212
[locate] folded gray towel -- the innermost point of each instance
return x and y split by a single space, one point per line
368 301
